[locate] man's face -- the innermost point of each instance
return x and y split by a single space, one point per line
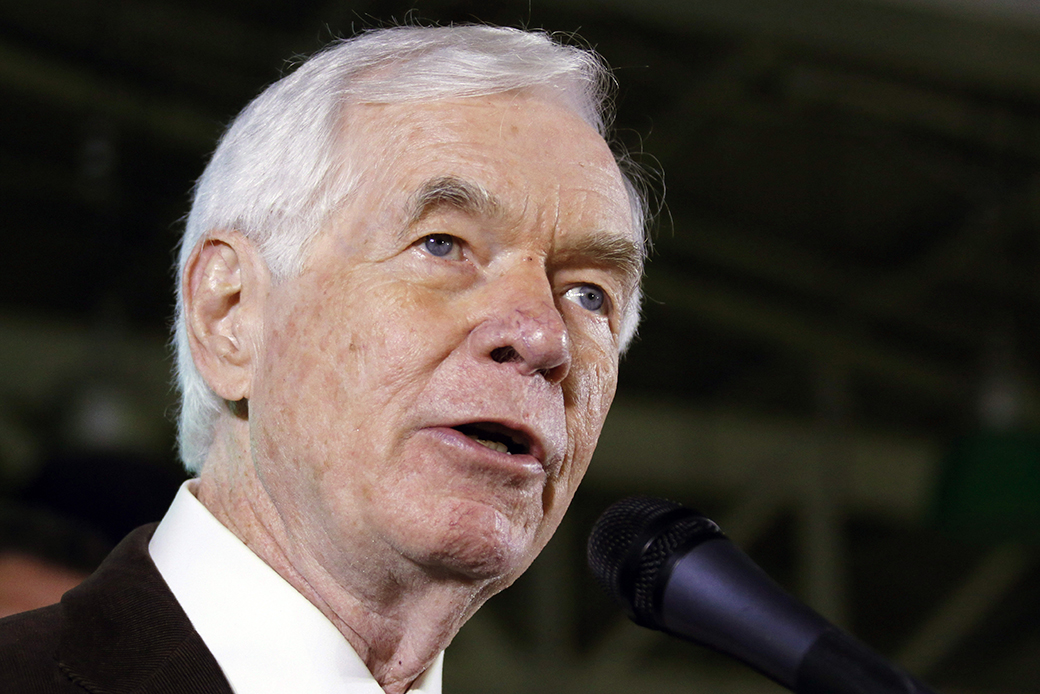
430 390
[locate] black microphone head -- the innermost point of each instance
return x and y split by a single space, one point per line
631 546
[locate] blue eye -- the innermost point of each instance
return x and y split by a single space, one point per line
439 245
588 296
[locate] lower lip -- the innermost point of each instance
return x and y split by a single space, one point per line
470 452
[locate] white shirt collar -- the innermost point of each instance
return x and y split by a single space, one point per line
266 637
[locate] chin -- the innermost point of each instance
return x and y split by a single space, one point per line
478 542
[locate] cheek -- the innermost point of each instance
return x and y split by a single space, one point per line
588 393
589 390
340 360
349 336
312 363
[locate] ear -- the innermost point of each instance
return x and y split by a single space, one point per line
225 283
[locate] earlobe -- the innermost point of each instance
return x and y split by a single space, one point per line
223 285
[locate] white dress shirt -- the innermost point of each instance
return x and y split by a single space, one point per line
266 637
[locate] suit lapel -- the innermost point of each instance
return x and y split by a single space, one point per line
125 633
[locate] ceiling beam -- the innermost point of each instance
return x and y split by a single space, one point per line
821 340
135 29
939 39
686 452
80 89
758 256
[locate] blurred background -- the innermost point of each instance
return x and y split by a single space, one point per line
840 354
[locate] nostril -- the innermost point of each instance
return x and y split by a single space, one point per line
503 355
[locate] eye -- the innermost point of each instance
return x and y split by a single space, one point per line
589 297
440 245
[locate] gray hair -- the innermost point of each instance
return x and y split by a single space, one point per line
276 178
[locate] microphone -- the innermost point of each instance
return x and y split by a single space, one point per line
673 570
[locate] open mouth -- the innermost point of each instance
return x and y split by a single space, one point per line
496 437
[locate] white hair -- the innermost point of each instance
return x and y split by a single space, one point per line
276 175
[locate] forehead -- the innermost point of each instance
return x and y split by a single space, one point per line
529 155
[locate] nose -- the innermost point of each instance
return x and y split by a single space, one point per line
524 330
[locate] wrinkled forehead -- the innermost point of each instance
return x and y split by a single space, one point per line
516 145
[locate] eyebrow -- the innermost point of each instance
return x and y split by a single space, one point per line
610 252
450 191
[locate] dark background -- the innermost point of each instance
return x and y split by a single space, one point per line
842 297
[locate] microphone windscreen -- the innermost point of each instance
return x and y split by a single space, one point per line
631 544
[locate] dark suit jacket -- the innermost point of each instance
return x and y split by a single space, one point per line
120 632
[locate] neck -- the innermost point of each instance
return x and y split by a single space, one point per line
395 615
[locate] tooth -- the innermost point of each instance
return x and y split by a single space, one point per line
493 445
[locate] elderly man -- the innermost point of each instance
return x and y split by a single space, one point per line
405 281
